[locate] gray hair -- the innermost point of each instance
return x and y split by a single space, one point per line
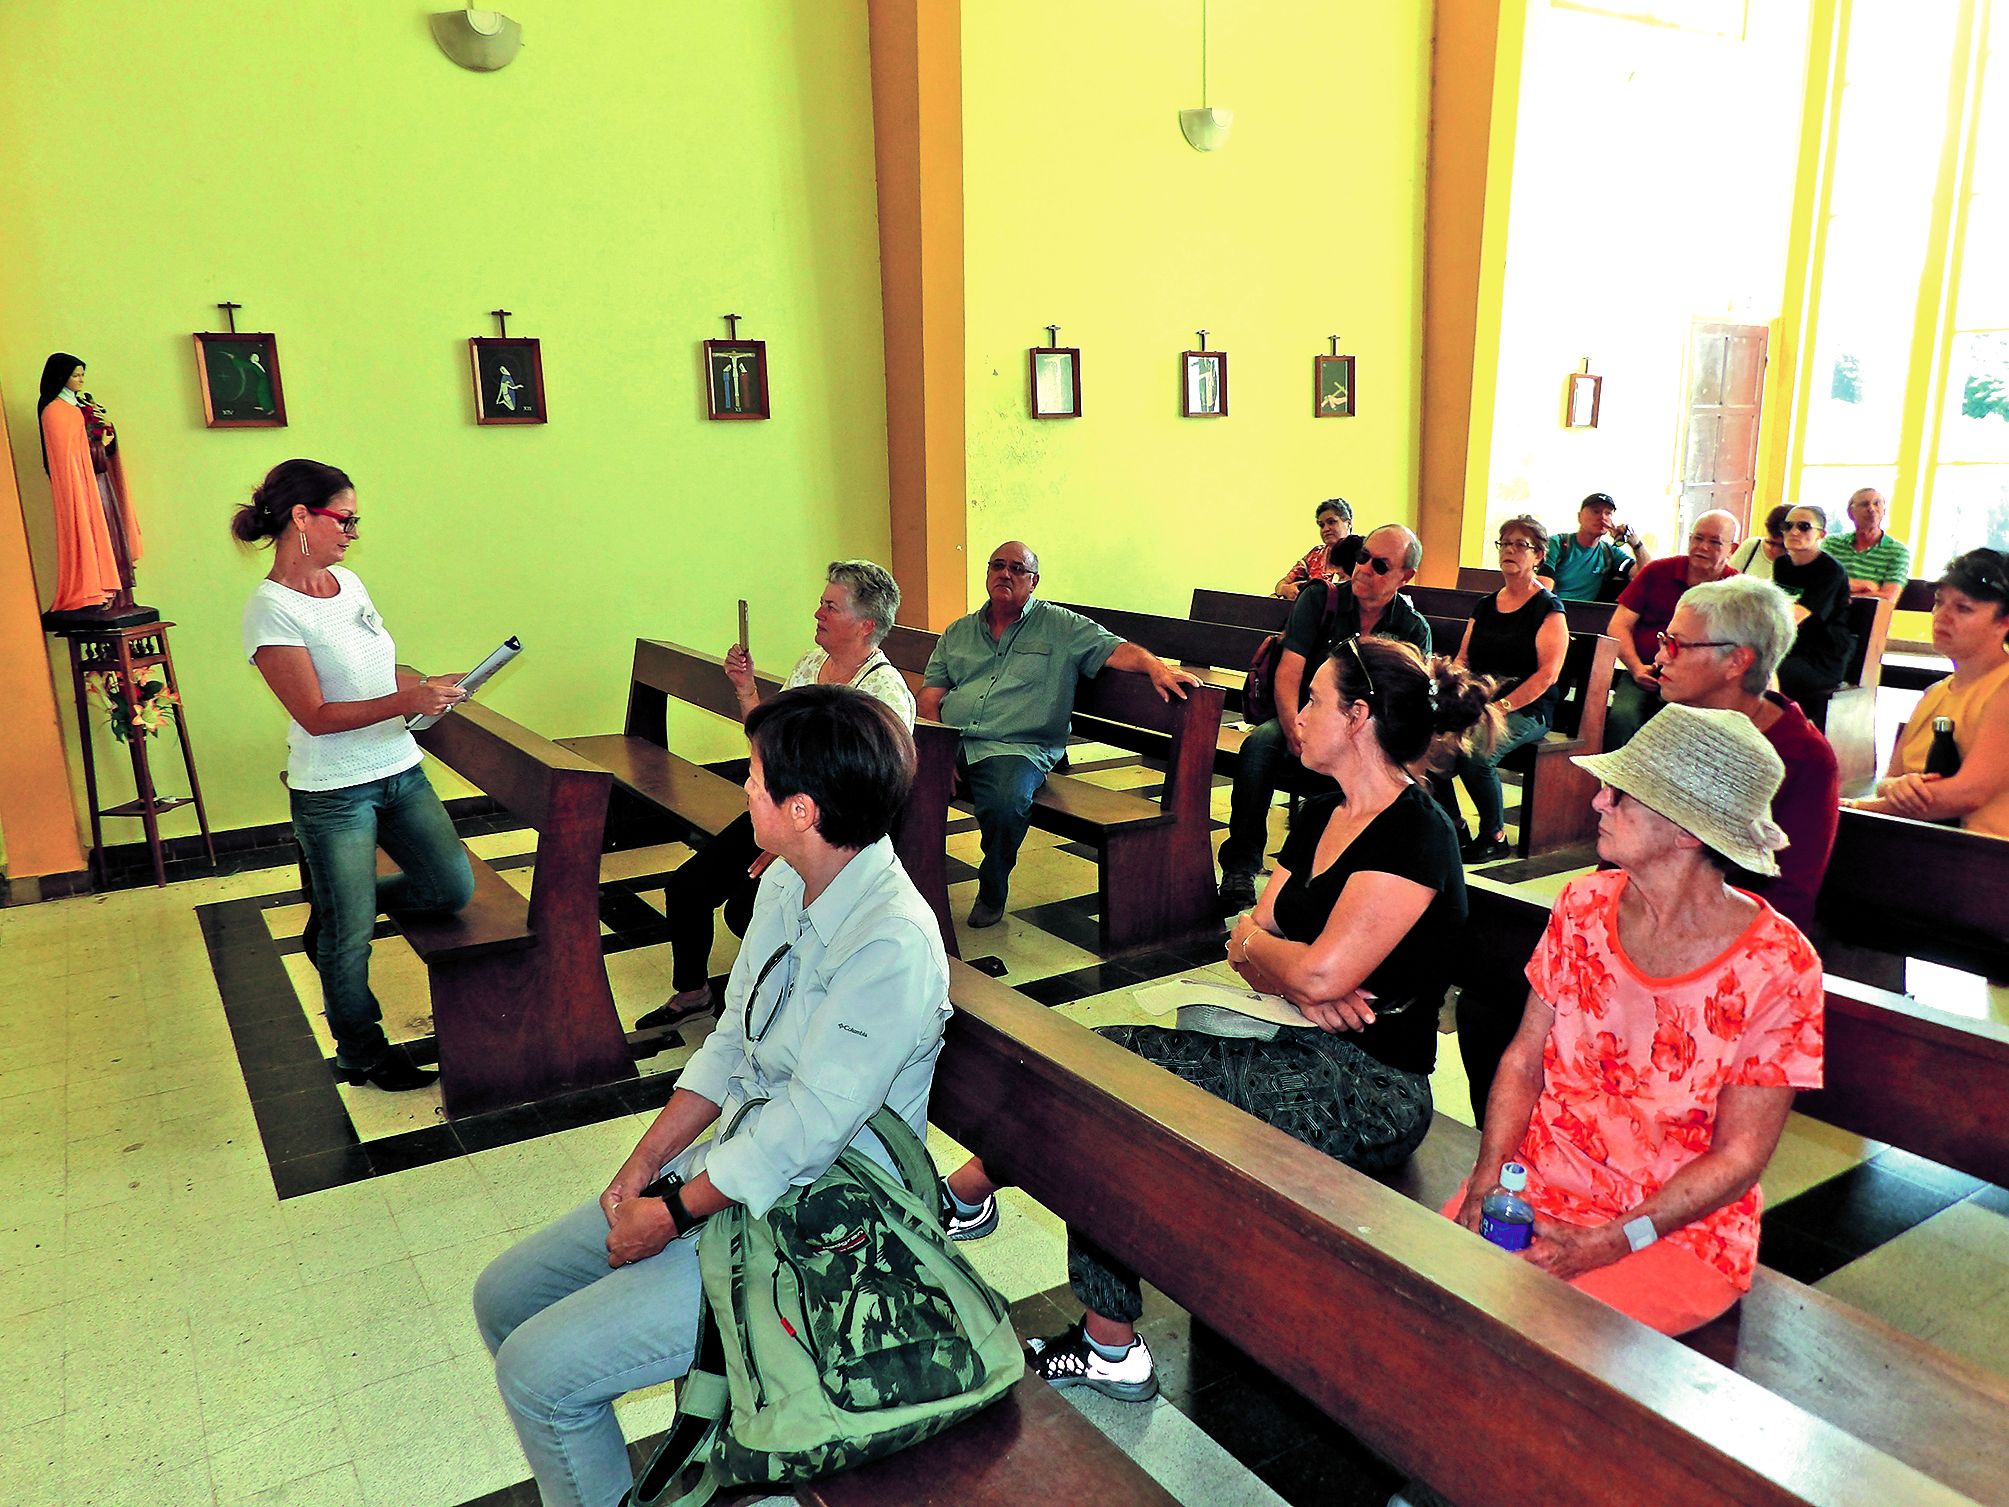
1412 550
874 593
1750 613
1337 505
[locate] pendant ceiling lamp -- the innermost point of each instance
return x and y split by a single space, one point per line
1205 129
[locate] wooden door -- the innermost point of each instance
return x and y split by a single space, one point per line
1726 366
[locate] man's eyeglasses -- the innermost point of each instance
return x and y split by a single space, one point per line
1711 541
1360 660
1514 544
1800 526
1376 564
753 994
1016 567
1674 645
347 522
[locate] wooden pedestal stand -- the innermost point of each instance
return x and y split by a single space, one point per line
125 651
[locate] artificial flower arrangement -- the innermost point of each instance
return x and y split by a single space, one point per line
149 711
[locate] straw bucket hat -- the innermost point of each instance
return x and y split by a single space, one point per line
1709 772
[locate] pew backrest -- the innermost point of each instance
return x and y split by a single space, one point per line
1241 609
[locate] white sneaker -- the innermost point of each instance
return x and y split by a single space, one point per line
974 1226
1068 1360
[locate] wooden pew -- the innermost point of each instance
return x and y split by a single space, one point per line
520 1001
1931 1082
1366 1302
1583 617
1156 875
1240 609
1218 653
703 803
1905 886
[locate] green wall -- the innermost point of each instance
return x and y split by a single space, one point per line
638 171
1085 206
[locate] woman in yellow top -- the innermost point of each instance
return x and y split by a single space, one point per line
1970 626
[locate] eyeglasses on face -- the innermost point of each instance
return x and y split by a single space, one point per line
1707 541
1674 645
1800 526
1016 567
1377 564
1515 544
347 522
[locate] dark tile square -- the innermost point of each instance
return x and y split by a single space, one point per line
962 824
955 871
501 1127
270 1002
414 1148
1330 1469
1056 989
314 1174
1927 1174
1073 921
303 1124
274 1080
1796 1254
1860 1210
990 964
586 1107
1257 1418
1079 850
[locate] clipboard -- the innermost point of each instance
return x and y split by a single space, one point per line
472 681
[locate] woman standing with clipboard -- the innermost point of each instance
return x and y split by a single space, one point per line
352 768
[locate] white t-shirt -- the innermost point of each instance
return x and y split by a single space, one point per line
354 659
876 678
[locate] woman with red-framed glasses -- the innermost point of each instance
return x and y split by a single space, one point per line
352 767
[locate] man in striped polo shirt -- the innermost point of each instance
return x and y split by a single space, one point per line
1878 565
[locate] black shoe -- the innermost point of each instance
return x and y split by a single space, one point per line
394 1073
670 1011
1238 893
1486 850
1068 1360
983 913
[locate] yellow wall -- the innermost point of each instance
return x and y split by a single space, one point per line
1653 184
638 171
1085 206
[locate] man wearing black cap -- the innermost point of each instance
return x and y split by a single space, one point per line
1579 564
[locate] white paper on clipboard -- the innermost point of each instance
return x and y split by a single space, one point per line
472 680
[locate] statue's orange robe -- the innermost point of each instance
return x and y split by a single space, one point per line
87 567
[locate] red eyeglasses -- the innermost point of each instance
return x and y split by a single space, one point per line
1674 645
349 522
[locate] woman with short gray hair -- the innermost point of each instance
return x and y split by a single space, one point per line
852 619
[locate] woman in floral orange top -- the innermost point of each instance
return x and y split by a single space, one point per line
1671 1019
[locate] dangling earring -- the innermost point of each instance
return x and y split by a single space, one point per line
303 543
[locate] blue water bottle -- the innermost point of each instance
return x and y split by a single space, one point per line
1506 1218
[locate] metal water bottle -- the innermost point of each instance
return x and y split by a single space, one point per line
1943 758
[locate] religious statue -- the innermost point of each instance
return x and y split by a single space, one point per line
97 532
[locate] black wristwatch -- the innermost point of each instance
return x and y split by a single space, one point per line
670 1189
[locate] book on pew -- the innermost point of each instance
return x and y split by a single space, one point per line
472 681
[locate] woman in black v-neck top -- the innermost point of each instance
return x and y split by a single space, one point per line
1355 928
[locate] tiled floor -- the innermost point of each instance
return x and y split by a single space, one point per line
224 1280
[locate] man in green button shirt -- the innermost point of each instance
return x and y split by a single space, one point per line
1878 565
1005 676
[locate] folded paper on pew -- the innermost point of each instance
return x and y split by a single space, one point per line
1216 1009
471 682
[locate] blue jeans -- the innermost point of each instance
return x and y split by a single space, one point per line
1264 765
569 1335
339 832
1001 790
1480 772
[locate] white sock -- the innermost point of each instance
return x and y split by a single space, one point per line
1108 1352
966 1210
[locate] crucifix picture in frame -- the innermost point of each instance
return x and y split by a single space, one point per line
1586 395
736 376
508 380
1203 384
1332 387
1055 375
238 373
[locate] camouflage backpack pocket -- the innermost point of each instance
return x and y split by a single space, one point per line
882 1332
